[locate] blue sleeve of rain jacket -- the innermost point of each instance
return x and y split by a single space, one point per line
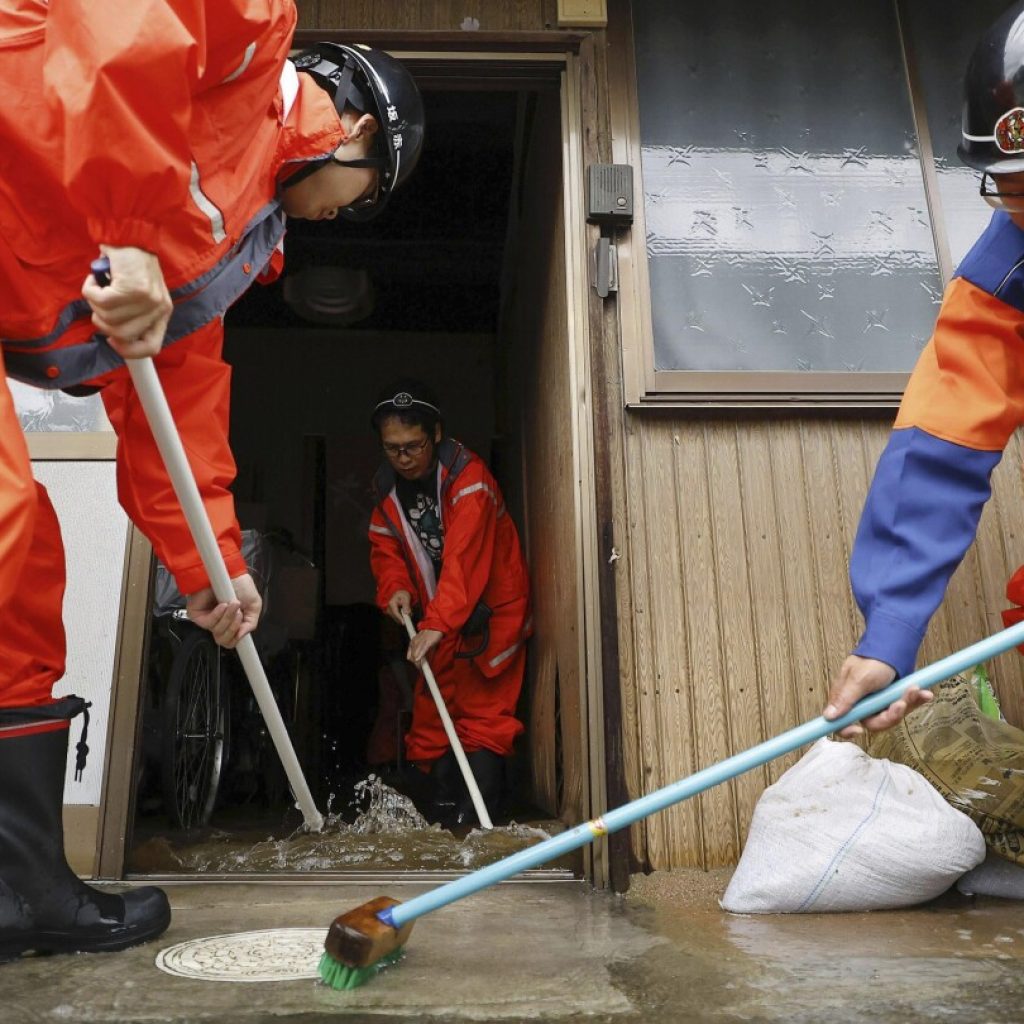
920 517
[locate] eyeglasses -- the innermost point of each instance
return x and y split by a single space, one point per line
1012 202
414 448
371 196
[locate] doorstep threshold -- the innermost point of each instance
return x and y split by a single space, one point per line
532 876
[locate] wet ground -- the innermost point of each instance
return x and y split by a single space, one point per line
556 951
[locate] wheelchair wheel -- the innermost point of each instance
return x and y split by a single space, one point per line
195 720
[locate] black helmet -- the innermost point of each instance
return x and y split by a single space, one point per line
375 83
993 116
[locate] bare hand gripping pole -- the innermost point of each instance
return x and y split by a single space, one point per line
158 414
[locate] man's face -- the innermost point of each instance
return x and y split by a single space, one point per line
323 194
410 450
335 186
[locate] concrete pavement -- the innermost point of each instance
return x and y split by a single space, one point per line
560 952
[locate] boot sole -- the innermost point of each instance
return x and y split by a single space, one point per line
61 942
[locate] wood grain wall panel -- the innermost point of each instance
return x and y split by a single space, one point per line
668 690
831 559
853 472
488 15
810 665
634 637
732 521
739 540
772 638
643 772
702 637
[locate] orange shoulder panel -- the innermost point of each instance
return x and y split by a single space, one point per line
968 385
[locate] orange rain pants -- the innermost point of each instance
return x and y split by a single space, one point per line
482 708
32 572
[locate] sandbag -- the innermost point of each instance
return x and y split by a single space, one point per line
842 831
976 762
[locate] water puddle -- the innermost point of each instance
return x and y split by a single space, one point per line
387 834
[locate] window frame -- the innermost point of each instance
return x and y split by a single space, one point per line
644 386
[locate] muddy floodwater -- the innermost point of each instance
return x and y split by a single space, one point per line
388 833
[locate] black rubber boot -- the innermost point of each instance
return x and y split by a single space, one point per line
43 905
452 805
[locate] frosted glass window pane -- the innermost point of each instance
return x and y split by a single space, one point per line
786 215
40 409
941 35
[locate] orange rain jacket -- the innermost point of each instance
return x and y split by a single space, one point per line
482 561
160 124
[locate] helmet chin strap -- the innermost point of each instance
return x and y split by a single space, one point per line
1008 204
1011 202
362 161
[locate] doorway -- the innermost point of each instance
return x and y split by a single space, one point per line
464 284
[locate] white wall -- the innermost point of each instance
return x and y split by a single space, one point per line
95 531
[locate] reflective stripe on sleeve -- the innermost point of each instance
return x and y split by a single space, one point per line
471 489
207 206
246 61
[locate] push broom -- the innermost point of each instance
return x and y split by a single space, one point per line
161 422
446 720
371 935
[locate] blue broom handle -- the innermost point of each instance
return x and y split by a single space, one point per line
676 792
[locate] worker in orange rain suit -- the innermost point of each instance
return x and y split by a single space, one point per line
962 404
174 136
441 539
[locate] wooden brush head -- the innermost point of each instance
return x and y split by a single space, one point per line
359 938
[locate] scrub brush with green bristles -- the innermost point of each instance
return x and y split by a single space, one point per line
340 976
359 944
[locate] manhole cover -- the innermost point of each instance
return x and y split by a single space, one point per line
275 954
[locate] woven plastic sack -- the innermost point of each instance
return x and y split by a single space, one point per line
974 761
842 831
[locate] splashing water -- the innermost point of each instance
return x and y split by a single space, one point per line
387 810
388 834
